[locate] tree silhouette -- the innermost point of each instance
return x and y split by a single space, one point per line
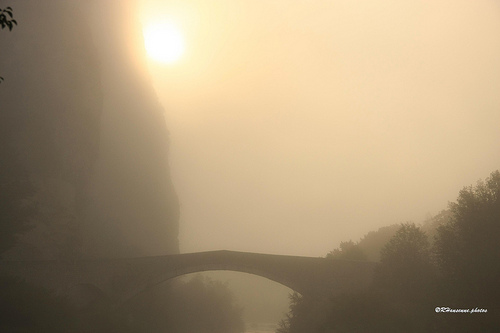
349 251
405 261
7 19
467 248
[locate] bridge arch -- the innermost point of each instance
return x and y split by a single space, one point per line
211 268
121 279
220 261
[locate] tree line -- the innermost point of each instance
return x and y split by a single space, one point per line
442 276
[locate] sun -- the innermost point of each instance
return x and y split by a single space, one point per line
163 41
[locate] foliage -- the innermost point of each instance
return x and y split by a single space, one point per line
467 248
431 225
406 277
305 315
7 19
364 311
16 210
16 188
54 230
373 242
25 308
459 270
49 131
16 197
198 305
285 324
405 260
349 251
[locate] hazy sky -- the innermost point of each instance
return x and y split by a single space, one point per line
298 124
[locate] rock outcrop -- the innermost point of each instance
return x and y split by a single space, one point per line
80 116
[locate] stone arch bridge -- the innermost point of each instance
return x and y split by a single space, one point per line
121 279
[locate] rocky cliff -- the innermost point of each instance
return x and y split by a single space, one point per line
80 117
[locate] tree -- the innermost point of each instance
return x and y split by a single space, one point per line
467 248
406 278
407 286
16 195
349 251
305 314
373 242
405 264
16 209
16 187
198 305
284 326
27 308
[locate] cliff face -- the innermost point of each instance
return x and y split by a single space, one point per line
134 203
81 118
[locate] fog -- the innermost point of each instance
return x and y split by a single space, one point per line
281 127
295 126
